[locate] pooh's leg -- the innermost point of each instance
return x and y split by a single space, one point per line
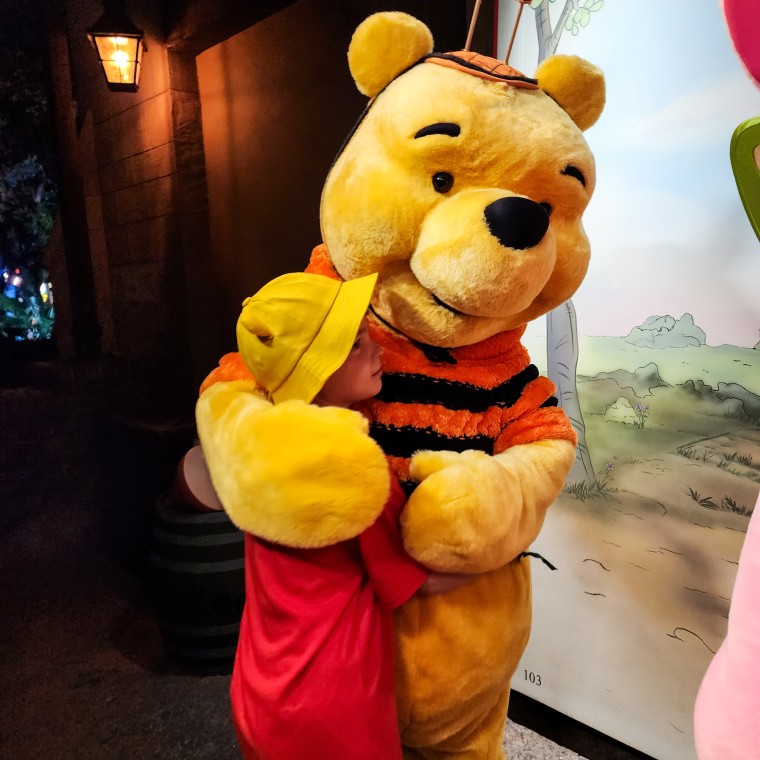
486 742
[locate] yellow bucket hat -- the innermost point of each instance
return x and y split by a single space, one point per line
299 328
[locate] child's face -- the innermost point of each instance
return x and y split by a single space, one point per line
359 377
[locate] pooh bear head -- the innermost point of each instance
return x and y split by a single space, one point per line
463 184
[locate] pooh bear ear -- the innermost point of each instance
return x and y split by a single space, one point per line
383 45
576 85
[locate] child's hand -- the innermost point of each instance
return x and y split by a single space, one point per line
440 583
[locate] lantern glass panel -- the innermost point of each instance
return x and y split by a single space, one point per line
120 57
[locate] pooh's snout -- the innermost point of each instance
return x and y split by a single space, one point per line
516 222
503 242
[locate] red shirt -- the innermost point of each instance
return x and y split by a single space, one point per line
313 674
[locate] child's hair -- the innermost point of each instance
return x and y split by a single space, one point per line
298 329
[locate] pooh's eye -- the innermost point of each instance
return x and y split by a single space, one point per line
574 171
442 182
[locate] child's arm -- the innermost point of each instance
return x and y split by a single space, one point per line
397 577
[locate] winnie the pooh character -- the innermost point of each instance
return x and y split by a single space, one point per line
463 186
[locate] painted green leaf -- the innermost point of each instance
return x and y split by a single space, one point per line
745 154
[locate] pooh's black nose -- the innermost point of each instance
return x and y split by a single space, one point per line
517 223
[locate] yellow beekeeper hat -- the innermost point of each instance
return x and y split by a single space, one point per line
299 328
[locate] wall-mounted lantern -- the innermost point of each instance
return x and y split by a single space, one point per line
120 46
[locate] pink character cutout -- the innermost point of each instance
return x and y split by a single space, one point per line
727 710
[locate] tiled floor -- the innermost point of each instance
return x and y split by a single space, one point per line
554 735
523 744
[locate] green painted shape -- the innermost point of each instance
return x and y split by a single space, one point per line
745 142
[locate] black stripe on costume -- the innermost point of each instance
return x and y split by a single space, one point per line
408 388
405 441
551 401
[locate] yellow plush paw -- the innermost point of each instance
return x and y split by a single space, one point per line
473 512
292 473
450 519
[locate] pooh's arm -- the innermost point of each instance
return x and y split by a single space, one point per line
293 473
473 513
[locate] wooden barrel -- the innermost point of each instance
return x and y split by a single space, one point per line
198 585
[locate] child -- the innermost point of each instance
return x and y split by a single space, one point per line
313 676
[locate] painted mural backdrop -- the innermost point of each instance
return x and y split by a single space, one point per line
647 535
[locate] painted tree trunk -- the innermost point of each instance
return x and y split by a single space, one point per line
562 363
561 327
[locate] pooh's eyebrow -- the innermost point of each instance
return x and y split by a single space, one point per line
442 128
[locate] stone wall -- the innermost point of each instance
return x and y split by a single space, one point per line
143 179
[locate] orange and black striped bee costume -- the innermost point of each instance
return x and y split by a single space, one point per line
487 396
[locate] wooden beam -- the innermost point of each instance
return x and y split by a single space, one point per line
192 26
